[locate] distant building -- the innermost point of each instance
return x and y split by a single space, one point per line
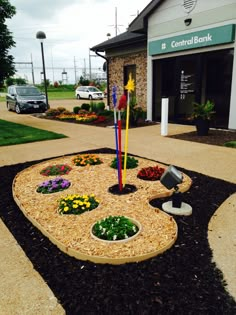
183 50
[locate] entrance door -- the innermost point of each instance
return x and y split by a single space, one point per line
193 78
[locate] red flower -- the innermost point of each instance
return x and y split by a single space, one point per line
122 102
151 173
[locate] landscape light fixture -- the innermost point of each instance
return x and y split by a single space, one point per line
187 22
171 178
41 36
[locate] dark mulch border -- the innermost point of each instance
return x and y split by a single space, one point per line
183 280
215 137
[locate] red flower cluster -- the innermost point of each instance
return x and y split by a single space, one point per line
151 173
58 169
122 102
100 119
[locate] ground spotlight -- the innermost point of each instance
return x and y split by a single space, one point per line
171 178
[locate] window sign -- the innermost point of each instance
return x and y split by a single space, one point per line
187 85
209 37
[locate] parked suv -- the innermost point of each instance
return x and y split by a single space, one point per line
25 98
89 92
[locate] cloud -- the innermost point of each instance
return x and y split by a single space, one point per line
71 28
43 9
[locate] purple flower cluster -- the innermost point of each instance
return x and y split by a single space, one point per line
53 185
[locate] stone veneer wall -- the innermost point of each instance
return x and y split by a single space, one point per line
116 75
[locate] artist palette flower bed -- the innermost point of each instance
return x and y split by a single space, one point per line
72 233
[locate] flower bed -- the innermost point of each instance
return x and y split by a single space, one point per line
56 169
151 173
85 118
53 185
72 233
77 204
115 228
86 159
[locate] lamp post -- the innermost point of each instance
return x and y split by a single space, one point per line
41 36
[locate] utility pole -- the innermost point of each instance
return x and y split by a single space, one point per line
116 27
75 70
32 67
116 24
90 71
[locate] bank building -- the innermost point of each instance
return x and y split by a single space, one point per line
180 50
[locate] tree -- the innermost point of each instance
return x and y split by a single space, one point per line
7 67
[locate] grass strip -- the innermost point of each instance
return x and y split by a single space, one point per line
12 133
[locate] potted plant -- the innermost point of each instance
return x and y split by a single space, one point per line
202 114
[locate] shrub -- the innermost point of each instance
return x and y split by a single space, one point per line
131 162
97 107
230 144
100 106
76 109
52 112
85 106
61 109
108 113
83 112
66 112
136 112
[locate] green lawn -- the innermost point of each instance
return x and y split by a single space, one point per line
12 133
60 95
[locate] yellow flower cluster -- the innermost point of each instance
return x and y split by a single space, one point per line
66 117
86 159
77 204
85 117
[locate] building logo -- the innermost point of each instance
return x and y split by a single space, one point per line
189 5
163 46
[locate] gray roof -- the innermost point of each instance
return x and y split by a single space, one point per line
120 40
139 24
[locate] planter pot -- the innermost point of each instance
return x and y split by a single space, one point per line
137 223
202 126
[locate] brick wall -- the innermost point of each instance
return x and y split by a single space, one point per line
116 75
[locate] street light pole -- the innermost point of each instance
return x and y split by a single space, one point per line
41 36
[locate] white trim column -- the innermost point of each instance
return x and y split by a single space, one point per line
232 110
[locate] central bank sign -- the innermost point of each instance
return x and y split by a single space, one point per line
214 36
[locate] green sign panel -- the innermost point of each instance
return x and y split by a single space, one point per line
209 37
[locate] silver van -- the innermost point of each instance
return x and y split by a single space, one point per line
25 98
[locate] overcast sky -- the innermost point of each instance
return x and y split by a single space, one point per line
71 28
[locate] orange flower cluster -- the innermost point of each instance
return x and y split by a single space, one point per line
86 159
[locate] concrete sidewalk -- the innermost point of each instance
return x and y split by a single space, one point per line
219 162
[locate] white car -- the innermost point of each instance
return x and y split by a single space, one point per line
89 92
